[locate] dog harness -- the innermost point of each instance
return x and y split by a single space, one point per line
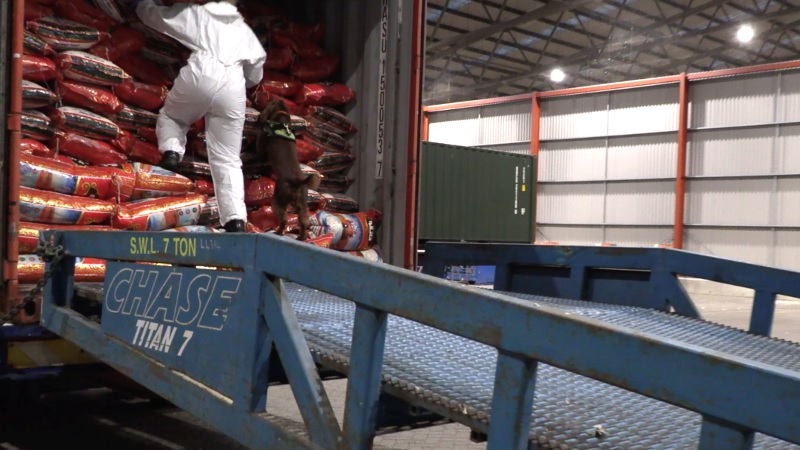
278 129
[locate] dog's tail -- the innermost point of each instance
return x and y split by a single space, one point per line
311 180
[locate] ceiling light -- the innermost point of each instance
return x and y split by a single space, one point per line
745 33
557 75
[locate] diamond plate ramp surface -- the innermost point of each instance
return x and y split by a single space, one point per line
443 369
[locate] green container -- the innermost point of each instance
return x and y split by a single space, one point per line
476 195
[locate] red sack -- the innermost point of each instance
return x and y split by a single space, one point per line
330 119
148 134
317 69
280 38
306 32
265 219
359 232
323 241
36 148
307 49
327 140
153 181
88 68
209 213
34 45
330 94
333 162
262 97
191 168
315 200
340 203
84 122
163 51
35 11
51 207
124 142
307 151
133 118
36 96
91 97
157 214
106 183
30 269
278 58
29 233
86 149
67 160
63 34
199 127
38 68
83 13
279 83
335 183
258 191
36 125
146 96
136 149
144 152
122 42
112 8
203 186
143 69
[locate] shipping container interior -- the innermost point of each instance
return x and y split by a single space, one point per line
378 43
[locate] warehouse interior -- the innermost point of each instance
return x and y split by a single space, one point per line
653 123
494 48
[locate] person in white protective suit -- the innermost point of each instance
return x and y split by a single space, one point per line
227 58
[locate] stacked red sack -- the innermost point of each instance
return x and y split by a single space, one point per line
94 81
306 77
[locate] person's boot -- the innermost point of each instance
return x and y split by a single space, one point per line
170 160
235 226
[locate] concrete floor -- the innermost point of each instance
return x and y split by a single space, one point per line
103 420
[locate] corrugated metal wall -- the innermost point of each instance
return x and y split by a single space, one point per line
504 127
743 189
607 164
607 167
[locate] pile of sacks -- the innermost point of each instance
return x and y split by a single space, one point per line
93 82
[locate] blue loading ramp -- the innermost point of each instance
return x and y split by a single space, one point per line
526 370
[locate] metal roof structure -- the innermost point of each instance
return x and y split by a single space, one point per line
479 49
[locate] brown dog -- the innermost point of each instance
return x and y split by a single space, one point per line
276 143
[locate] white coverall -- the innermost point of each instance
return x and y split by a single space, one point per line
227 58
